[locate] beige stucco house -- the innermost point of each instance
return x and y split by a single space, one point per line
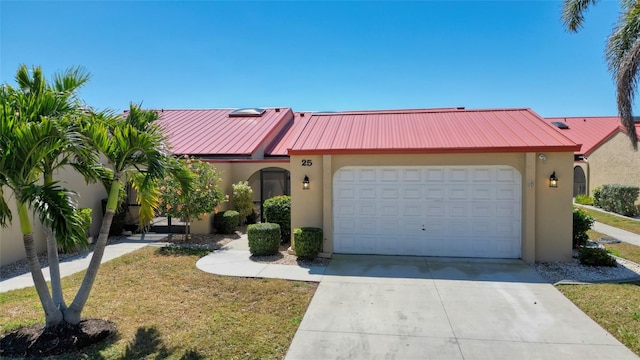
606 155
429 182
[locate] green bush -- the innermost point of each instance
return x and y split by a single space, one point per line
264 238
242 199
596 196
226 222
67 247
253 217
582 223
277 210
584 199
595 257
308 242
619 199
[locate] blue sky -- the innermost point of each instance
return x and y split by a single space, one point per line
318 55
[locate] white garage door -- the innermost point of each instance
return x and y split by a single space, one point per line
462 211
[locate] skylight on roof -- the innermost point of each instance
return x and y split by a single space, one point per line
254 112
560 125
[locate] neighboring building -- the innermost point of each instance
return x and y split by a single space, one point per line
437 182
606 155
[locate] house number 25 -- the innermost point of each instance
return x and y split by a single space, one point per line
306 162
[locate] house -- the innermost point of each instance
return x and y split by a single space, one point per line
606 155
443 182
431 182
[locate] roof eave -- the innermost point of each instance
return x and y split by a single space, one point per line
510 149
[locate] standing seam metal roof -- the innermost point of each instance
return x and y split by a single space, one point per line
429 130
590 131
213 132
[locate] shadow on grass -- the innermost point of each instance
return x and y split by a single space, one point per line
182 251
148 343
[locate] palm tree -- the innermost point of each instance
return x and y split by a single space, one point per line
42 128
135 149
23 147
622 53
34 100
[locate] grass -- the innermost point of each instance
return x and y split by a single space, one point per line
616 307
626 251
166 308
613 220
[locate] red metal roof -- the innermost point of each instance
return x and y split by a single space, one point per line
429 131
213 132
286 141
591 132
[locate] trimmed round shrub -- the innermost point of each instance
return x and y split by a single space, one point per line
227 222
264 238
307 242
595 257
277 210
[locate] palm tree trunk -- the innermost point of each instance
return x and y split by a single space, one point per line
54 270
54 262
53 315
73 314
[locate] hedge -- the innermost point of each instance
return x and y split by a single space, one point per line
307 242
264 238
277 210
619 199
582 223
226 222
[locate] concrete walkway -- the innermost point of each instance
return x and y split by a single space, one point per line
617 233
81 262
233 260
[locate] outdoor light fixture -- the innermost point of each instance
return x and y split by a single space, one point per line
553 180
305 183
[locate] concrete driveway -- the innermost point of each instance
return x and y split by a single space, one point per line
387 307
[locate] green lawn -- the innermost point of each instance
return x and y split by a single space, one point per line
613 220
616 307
166 308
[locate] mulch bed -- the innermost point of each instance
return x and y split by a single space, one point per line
35 341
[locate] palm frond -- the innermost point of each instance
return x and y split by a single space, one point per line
54 206
148 196
71 80
573 13
5 213
627 83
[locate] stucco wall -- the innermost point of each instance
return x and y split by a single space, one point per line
11 246
614 162
546 212
232 172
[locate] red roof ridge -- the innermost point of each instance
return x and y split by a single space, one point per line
412 111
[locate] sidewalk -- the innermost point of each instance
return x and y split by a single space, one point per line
81 262
619 234
233 259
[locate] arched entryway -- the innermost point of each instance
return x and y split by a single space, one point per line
579 181
267 183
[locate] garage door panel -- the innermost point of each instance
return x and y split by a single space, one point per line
366 209
472 211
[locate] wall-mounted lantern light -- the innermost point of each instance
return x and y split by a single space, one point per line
305 183
553 180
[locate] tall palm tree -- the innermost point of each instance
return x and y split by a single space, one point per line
23 146
39 133
622 52
136 152
36 99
